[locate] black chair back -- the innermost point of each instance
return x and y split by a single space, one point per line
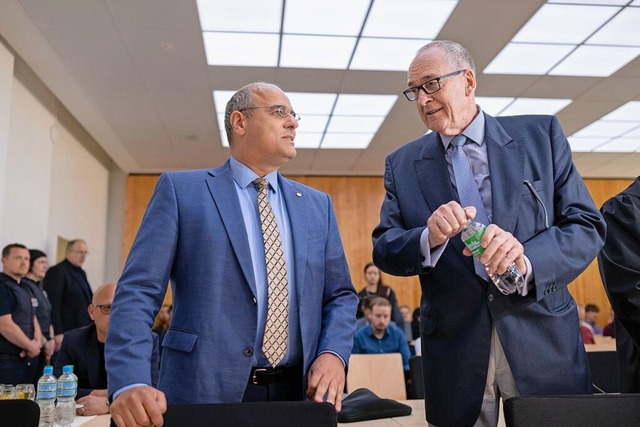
417 381
19 413
604 371
268 414
602 410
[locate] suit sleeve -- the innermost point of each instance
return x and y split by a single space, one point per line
619 261
396 249
576 233
339 297
53 284
140 291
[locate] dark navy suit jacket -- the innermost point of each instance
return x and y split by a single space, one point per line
539 333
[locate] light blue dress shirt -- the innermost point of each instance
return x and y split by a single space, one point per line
248 197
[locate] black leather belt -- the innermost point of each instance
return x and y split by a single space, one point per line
263 376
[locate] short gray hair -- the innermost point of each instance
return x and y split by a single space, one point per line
455 54
243 98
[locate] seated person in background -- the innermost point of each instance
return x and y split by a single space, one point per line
591 317
375 287
585 329
381 337
365 308
84 349
406 317
610 329
163 319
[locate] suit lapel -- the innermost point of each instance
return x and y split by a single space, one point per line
93 356
222 189
296 202
506 168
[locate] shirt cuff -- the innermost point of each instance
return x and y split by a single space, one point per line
125 388
430 257
528 279
344 365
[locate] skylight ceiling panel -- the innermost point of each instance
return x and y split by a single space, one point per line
592 2
571 24
600 61
327 52
603 129
493 105
241 49
356 141
320 17
312 123
626 112
366 105
354 124
535 106
385 54
308 139
584 144
619 145
312 103
261 16
528 59
622 30
408 18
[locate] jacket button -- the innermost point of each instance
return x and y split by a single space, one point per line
255 301
490 297
248 352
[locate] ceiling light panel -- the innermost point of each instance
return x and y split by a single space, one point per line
551 24
627 112
365 105
308 139
592 2
493 105
241 49
312 103
584 144
238 16
358 141
320 18
599 61
619 145
354 124
525 58
603 129
622 30
313 123
316 51
535 106
385 54
408 18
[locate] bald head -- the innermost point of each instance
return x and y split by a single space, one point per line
104 294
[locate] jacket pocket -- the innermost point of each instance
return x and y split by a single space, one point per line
180 340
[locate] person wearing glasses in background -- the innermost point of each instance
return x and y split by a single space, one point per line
478 344
84 349
202 230
68 290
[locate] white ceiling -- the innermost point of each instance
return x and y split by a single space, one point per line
135 75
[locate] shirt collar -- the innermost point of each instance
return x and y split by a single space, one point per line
474 132
243 176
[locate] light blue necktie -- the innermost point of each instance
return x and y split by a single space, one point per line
468 192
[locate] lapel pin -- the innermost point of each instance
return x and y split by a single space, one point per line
299 194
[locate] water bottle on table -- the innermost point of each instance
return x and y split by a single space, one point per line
67 390
471 236
46 397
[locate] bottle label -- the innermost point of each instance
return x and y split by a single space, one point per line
47 390
67 388
473 242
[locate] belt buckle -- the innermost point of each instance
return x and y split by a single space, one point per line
254 379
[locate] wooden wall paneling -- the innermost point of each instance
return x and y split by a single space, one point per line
357 203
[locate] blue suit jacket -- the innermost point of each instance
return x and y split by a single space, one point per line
193 234
539 332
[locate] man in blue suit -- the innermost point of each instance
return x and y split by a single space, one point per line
202 231
478 344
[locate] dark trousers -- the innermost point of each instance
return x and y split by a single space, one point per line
18 371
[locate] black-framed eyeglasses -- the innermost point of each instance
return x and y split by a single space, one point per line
104 308
429 87
279 110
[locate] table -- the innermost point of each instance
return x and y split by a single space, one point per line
416 419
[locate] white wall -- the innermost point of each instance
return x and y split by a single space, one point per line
49 188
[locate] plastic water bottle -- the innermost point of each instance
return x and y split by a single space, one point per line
510 280
46 397
67 390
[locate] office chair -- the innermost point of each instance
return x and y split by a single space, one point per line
22 412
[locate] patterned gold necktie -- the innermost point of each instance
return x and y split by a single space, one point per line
274 344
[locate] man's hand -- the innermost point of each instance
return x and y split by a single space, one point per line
141 406
500 250
93 405
326 377
34 348
49 348
58 339
447 221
